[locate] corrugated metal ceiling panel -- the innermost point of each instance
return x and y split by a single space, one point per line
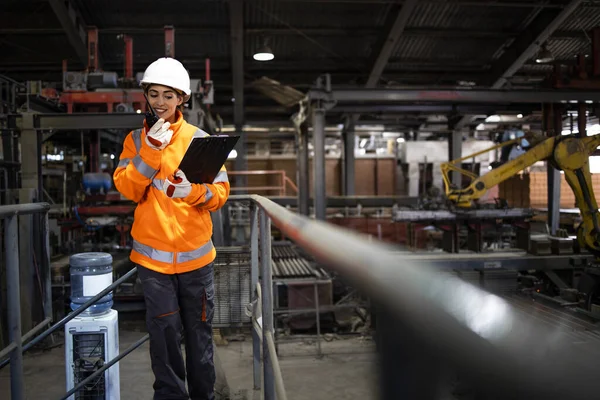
565 49
585 17
269 13
465 17
180 13
466 50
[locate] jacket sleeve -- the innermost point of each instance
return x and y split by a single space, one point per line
138 164
210 196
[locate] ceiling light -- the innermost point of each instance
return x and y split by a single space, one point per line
544 56
519 115
264 54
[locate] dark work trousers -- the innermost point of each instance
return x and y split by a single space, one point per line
174 302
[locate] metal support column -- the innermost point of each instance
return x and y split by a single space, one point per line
455 152
320 202
552 121
237 64
10 153
45 266
218 228
581 120
11 243
318 318
349 162
94 161
267 303
254 281
31 181
303 181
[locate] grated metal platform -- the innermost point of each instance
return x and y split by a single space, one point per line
569 327
232 282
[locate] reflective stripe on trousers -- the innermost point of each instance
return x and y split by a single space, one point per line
168 257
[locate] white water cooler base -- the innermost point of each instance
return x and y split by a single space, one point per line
91 342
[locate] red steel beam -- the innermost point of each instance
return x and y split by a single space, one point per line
106 210
169 41
128 57
92 48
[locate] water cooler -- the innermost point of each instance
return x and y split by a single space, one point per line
92 338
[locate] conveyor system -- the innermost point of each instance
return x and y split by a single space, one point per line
289 263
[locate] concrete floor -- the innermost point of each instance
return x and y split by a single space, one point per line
347 370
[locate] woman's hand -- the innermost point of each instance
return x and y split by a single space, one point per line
159 136
177 186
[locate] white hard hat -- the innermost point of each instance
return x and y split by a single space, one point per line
168 72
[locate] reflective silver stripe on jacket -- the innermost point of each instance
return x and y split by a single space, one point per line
140 164
209 194
137 139
200 133
168 257
143 168
221 177
158 183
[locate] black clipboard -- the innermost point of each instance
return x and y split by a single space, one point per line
205 156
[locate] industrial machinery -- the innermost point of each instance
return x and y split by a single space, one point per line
579 282
566 153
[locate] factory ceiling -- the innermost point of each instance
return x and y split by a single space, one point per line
366 43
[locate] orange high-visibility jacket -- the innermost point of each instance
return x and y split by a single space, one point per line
169 235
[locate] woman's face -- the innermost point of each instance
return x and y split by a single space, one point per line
164 100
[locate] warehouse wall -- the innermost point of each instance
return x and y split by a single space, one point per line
531 190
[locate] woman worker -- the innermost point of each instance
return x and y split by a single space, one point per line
172 231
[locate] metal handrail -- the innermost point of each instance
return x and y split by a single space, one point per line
11 241
272 353
504 353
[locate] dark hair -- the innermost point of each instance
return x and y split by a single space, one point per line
180 107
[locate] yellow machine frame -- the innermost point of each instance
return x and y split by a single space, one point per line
567 153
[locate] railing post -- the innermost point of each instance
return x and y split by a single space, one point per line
267 304
46 266
254 281
11 242
318 319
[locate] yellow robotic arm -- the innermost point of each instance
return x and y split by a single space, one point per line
568 153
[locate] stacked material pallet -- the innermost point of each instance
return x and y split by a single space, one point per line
287 262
